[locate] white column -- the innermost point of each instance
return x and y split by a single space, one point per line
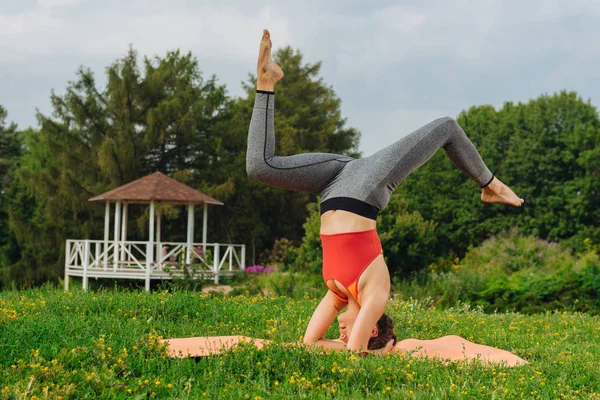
124 231
243 260
190 234
86 261
150 247
204 225
158 229
97 248
67 262
106 233
116 238
217 257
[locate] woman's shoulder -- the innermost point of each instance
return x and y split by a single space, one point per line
405 345
413 344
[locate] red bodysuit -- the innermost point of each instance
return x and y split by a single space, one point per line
347 255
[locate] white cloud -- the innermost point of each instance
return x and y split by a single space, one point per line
221 32
395 64
15 27
48 4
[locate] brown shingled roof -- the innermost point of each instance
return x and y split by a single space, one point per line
158 187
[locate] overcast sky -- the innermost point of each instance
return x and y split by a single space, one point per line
396 65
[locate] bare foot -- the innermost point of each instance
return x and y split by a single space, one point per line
498 192
267 72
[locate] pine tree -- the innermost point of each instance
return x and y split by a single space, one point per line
146 119
547 150
10 151
307 119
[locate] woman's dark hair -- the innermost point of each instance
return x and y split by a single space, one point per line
385 327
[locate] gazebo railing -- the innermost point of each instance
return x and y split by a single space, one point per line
129 259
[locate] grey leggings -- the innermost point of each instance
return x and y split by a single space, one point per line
371 179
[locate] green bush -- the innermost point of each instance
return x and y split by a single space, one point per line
408 240
309 256
282 254
512 272
294 285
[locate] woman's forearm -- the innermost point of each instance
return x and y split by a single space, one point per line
372 308
322 318
328 344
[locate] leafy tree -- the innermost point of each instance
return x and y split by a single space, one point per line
309 256
547 150
158 118
10 150
10 147
307 119
36 236
407 239
163 116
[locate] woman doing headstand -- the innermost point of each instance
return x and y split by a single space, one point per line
352 192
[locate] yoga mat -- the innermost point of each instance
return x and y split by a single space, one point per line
204 346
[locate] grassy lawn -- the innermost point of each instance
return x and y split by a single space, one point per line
104 345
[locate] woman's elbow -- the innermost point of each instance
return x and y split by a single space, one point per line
309 340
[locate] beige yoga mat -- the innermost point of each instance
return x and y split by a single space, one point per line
448 348
204 346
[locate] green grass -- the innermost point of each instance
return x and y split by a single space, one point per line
104 345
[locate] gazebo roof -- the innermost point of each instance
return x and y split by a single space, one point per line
157 187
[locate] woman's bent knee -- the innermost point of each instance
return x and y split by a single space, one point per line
446 120
256 173
261 171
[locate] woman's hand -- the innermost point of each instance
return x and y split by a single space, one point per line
387 349
380 352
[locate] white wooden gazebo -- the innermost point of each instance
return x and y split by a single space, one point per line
117 257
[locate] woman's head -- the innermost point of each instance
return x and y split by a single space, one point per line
381 334
385 333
